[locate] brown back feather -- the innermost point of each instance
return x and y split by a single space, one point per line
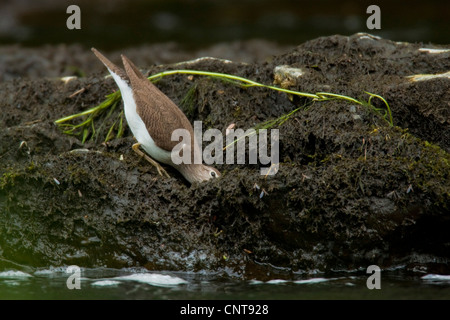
111 66
160 115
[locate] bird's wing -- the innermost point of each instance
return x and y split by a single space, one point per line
160 115
111 66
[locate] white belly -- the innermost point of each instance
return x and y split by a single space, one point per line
137 126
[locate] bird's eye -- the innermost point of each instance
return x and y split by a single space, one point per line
213 174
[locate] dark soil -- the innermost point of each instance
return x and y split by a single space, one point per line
351 191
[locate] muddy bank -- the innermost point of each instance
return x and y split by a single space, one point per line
351 191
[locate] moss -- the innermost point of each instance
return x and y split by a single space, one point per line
8 177
32 167
187 104
237 112
429 169
77 174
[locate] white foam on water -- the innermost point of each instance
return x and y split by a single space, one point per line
276 281
44 272
52 271
153 279
436 277
312 280
281 281
12 274
12 283
350 284
253 281
105 283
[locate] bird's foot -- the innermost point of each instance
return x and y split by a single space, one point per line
160 169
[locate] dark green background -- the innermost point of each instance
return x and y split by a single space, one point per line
198 23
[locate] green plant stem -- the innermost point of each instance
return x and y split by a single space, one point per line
247 82
115 97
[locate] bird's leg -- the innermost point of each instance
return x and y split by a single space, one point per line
153 162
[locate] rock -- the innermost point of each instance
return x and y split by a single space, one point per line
350 192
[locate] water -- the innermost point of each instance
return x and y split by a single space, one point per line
105 283
202 23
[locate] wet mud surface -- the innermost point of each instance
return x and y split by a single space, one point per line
351 190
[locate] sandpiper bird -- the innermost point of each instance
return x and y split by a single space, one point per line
152 117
